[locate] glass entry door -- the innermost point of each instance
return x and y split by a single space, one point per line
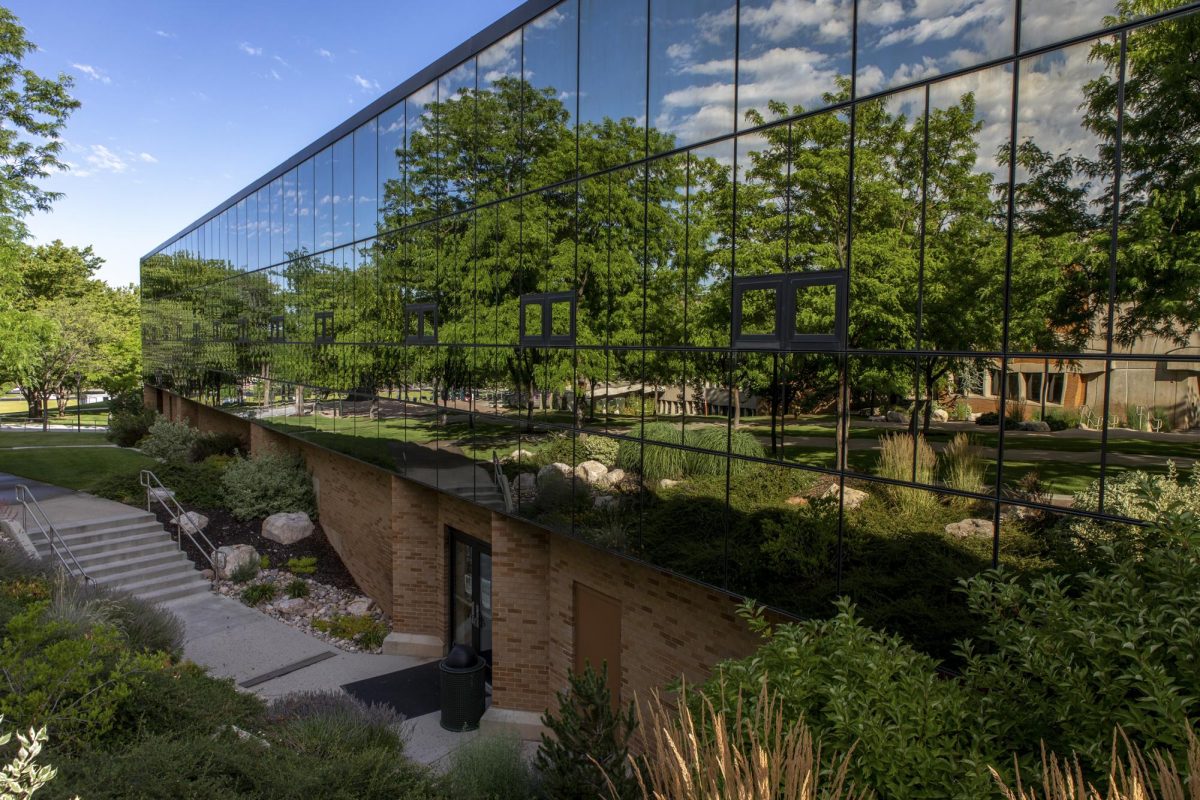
471 594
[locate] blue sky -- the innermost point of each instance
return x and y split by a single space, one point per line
185 102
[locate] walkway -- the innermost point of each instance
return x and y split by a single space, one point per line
237 642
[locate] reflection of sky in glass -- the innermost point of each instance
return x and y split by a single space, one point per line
264 226
250 224
901 41
691 69
992 89
290 228
1049 106
1046 21
501 60
275 222
304 205
549 54
366 148
612 60
343 190
792 51
323 198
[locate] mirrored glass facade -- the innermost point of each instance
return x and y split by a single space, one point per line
795 299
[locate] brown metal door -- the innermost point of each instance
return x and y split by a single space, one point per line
598 635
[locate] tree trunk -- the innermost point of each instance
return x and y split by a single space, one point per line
842 434
735 397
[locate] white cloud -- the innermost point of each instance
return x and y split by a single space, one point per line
165 35
280 60
146 157
249 49
323 53
273 74
365 84
1042 23
93 73
782 19
97 159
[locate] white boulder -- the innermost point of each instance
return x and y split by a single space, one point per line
897 416
553 474
291 605
604 501
360 607
524 485
287 527
667 483
591 471
611 478
232 557
854 497
1035 425
161 493
941 415
192 521
972 528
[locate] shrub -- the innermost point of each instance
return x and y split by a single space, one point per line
326 723
181 700
257 593
587 753
962 464
896 462
268 484
144 626
961 411
170 442
302 566
655 463
127 428
69 682
21 776
856 687
491 768
1065 660
264 561
1133 494
296 588
366 632
215 443
715 438
589 447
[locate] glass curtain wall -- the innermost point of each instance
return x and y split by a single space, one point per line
794 299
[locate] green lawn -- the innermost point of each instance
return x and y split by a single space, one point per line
82 468
36 438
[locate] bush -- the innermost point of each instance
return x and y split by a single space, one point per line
326 723
366 632
170 442
22 776
962 464
127 428
257 593
586 755
589 447
491 768
296 588
70 682
302 566
655 463
211 444
245 572
182 700
961 411
144 626
267 484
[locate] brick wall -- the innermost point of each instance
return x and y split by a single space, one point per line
418 561
520 615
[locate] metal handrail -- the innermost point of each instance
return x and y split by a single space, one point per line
33 510
502 482
155 489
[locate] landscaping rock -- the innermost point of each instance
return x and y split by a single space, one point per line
524 485
360 607
854 497
797 500
193 521
603 501
1035 425
207 574
161 494
232 556
667 483
520 455
553 473
941 415
288 527
972 528
897 416
611 478
291 605
591 471
877 418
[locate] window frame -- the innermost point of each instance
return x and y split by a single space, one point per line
323 332
421 312
785 285
546 301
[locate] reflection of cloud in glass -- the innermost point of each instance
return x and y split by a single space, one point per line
992 89
779 20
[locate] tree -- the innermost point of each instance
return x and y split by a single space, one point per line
33 110
587 755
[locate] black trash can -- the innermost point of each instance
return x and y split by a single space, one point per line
463 674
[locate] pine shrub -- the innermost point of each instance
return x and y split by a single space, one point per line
268 483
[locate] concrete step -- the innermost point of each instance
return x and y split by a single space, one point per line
108 564
180 590
76 539
147 539
169 572
104 522
136 583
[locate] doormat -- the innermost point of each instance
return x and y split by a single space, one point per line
413 692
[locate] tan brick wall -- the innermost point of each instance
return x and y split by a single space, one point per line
391 533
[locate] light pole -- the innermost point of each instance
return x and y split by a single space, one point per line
78 402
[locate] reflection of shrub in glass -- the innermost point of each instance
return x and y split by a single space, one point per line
896 463
962 464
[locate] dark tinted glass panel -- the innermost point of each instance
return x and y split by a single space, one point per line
691 71
343 190
550 71
501 162
422 163
323 198
291 208
457 134
366 179
264 226
306 212
612 82
251 223
275 221
791 55
901 42
391 165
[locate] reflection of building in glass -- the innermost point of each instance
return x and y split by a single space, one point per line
623 295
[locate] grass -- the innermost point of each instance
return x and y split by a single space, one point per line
83 468
49 438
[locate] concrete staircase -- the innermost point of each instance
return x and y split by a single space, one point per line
131 552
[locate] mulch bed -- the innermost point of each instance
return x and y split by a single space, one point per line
224 529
